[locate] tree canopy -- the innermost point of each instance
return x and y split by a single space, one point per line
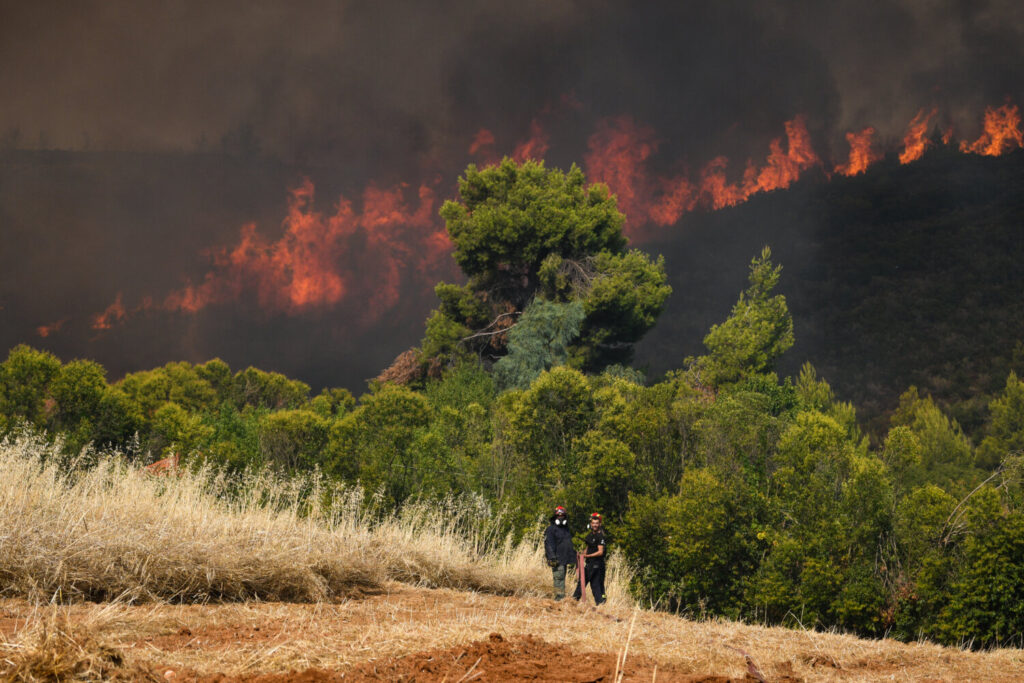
759 330
744 495
523 232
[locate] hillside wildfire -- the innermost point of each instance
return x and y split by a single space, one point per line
356 264
354 341
371 250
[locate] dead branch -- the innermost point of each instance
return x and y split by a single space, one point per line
580 275
501 330
404 369
953 524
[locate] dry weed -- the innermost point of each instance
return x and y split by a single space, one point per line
110 532
53 648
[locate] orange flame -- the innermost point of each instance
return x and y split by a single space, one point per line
46 330
1002 132
322 260
861 154
619 150
534 147
715 189
483 140
781 169
300 270
915 142
114 313
310 265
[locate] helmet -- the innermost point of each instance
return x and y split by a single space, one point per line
597 516
560 511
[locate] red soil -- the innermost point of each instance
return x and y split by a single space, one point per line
522 658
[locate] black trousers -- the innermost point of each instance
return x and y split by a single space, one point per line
593 575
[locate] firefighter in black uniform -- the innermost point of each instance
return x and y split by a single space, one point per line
594 563
559 550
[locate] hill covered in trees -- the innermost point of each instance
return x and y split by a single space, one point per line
905 275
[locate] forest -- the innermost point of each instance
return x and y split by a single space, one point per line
731 490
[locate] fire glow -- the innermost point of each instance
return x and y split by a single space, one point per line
322 260
915 142
300 269
861 153
1002 132
617 155
619 151
310 265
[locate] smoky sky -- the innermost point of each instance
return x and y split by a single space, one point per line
357 94
391 84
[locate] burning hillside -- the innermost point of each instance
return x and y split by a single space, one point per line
365 254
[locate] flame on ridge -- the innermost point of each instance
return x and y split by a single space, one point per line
534 147
46 330
114 313
618 150
1002 132
915 142
323 259
861 154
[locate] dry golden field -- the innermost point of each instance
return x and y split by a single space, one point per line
111 574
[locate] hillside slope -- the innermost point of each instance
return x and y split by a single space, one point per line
903 275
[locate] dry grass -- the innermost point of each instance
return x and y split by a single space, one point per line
177 543
109 532
53 648
249 638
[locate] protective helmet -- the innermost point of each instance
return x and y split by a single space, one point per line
597 516
560 511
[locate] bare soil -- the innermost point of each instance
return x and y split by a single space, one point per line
409 634
521 658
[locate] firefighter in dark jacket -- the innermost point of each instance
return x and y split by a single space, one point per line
593 568
559 550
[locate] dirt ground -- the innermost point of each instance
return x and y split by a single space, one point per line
521 658
408 634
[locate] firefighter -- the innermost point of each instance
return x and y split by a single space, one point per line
594 561
559 550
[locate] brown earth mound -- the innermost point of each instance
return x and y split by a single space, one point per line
521 658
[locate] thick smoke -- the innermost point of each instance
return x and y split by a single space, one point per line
386 85
183 122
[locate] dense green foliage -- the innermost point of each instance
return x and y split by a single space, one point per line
539 340
759 330
733 491
524 232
